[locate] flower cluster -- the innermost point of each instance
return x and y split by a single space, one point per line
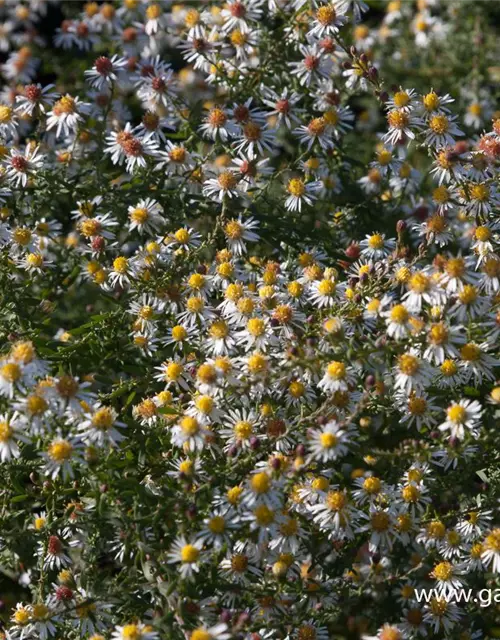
250 317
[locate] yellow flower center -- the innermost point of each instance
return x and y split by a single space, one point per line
243 430
410 493
234 495
65 105
326 15
60 450
443 571
470 352
239 563
380 521
479 192
227 180
336 370
399 314
441 195
409 364
139 215
456 413
189 425
189 553
264 515
436 529
431 101
438 333
448 368
21 616
483 234
11 372
256 327
296 389
217 524
417 406
6 432
205 404
439 124
206 373
328 440
182 236
120 265
398 119
306 632
455 267
372 485
336 500
260 483
5 113
296 187
153 11
492 541
103 418
401 99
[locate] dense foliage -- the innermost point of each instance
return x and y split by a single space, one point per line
249 319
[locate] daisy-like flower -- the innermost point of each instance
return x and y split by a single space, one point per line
10 433
433 104
12 377
105 71
61 455
418 410
36 100
254 139
8 121
123 272
188 554
334 512
447 577
398 320
224 186
53 553
238 13
185 238
99 426
189 433
403 99
337 377
66 115
376 246
309 629
301 193
491 550
479 198
21 166
238 232
442 339
327 20
441 131
218 125
124 146
316 131
283 106
135 630
477 365
462 415
402 126
329 443
313 67
412 373
146 216
449 375
422 287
